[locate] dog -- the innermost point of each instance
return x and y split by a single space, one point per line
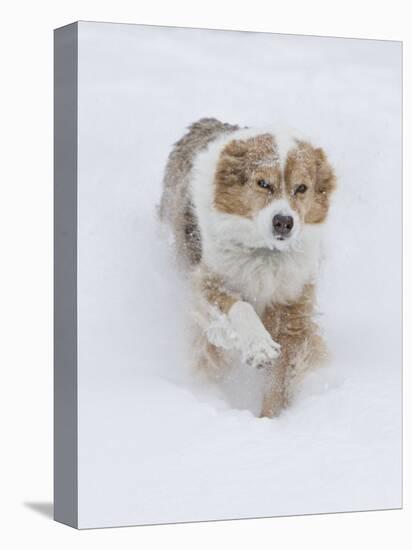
247 208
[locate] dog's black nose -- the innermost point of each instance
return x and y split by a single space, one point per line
282 225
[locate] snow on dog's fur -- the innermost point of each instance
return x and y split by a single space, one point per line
247 208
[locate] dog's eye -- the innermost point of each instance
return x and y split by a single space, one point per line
264 184
302 188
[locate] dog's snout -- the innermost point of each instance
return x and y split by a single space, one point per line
282 225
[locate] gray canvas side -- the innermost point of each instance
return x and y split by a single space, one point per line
65 275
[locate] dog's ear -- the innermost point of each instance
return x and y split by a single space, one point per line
325 176
325 184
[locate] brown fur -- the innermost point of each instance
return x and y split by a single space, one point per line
308 165
241 166
292 326
213 289
243 163
212 362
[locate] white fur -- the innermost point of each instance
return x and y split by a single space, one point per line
220 331
253 341
243 331
285 141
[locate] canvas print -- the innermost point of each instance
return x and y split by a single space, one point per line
227 275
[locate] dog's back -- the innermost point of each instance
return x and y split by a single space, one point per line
176 207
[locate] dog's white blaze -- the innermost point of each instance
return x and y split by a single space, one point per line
285 141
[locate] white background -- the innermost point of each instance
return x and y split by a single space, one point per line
26 302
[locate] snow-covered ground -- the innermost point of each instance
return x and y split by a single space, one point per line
156 444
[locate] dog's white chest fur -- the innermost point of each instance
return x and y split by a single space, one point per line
263 276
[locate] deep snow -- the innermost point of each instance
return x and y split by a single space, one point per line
155 443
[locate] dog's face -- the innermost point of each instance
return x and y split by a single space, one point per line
276 193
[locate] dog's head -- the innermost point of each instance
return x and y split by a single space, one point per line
277 188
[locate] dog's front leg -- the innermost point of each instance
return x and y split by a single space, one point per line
291 325
254 342
236 325
274 396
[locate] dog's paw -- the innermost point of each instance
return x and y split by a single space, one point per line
255 344
261 353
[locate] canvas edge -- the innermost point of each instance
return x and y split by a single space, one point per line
65 482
